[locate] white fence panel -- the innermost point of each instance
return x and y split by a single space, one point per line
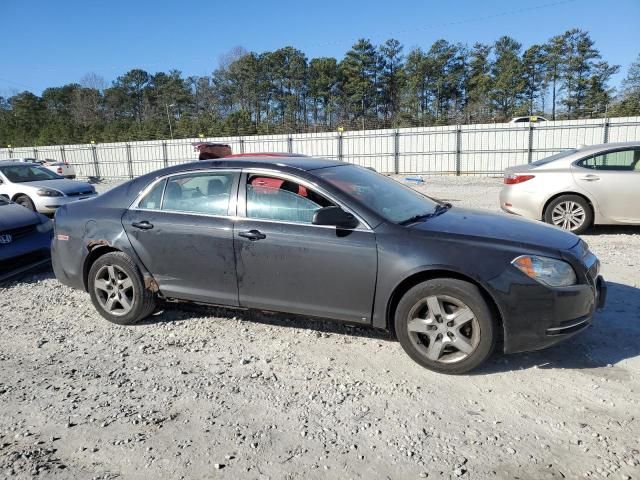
482 149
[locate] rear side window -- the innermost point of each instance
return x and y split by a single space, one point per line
208 193
621 160
152 200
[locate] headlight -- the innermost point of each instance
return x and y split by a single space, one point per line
47 192
45 226
549 271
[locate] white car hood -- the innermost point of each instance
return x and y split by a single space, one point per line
64 186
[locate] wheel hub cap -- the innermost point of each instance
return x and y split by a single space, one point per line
443 329
114 290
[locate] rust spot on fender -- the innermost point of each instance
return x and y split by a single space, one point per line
150 283
97 243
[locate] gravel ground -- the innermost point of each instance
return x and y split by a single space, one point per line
211 393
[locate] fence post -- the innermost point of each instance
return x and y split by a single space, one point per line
241 140
129 162
10 152
290 144
96 167
605 131
339 139
530 144
165 159
63 155
458 150
35 152
396 151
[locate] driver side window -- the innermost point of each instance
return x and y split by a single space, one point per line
272 198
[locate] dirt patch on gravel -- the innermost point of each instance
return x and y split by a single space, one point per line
212 393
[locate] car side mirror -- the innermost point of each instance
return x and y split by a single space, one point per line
334 216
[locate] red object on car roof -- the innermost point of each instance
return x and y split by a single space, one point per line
265 154
209 151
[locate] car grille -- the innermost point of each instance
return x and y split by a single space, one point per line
79 194
22 260
21 232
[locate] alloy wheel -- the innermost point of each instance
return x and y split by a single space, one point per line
114 290
568 215
443 328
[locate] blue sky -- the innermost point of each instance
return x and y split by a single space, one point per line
50 43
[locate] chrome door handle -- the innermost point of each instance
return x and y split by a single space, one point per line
253 235
143 225
591 178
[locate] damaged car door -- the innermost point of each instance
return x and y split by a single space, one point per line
182 230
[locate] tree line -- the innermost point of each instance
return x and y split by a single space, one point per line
370 87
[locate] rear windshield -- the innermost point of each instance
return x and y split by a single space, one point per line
3 200
557 156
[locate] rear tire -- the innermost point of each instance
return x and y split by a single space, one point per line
25 202
117 290
446 326
569 212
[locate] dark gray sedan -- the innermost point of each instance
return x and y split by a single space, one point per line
323 238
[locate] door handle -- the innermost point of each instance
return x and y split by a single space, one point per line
591 178
253 235
143 225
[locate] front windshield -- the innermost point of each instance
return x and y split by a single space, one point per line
390 199
557 156
28 173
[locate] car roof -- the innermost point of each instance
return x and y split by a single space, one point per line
294 162
11 163
609 146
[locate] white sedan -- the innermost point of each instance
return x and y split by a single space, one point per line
39 189
578 188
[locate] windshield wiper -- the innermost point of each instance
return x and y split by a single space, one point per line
440 208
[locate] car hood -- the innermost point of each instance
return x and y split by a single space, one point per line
498 227
13 216
62 185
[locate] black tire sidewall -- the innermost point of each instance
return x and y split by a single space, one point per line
469 294
143 299
26 202
588 221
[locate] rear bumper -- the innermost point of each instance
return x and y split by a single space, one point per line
537 317
519 202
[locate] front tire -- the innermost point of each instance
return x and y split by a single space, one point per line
446 326
25 202
569 212
117 290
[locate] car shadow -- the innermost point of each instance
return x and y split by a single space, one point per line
614 336
172 312
612 230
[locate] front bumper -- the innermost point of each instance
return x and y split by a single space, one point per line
25 254
49 205
537 317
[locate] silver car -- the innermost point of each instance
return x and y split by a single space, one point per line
578 188
38 188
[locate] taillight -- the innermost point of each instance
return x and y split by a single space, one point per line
59 170
512 178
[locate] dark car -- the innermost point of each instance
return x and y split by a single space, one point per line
351 245
25 239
